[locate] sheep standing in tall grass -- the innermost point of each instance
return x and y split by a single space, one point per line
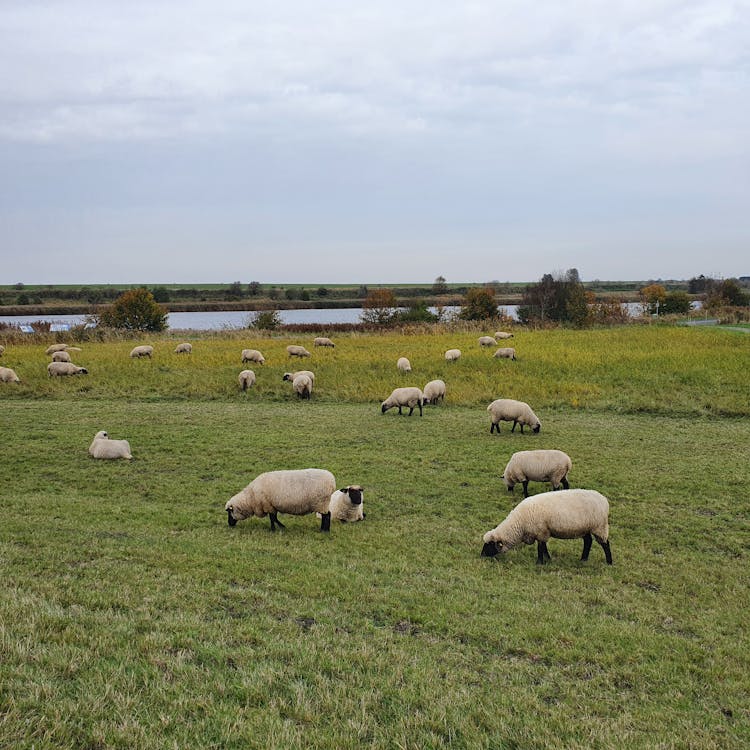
434 391
184 348
61 369
247 379
403 365
7 375
252 355
144 350
61 356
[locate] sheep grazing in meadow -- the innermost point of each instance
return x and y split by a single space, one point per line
452 355
142 351
290 376
302 386
503 335
323 341
434 391
510 410
400 397
184 348
347 505
60 369
61 356
247 379
294 350
103 447
507 352
8 376
252 355
487 341
567 514
537 466
296 492
403 365
52 348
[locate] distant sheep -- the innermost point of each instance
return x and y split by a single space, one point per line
323 341
247 379
61 356
296 492
142 351
61 348
347 505
103 447
507 352
8 376
487 341
567 514
434 391
503 335
452 355
252 355
58 369
293 350
537 466
403 365
302 386
509 410
290 376
410 397
184 348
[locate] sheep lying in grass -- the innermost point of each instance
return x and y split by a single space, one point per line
347 505
507 352
403 365
184 348
434 391
503 335
294 491
247 379
293 350
61 356
252 355
323 341
103 447
8 376
59 369
510 410
452 355
410 397
487 341
142 351
567 514
537 466
52 348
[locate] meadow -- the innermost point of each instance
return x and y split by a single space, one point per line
132 616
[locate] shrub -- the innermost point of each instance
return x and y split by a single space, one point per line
265 320
479 304
135 310
379 307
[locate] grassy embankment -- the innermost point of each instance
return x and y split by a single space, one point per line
133 617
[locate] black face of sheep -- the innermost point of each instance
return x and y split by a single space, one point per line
355 495
490 549
383 410
537 428
230 518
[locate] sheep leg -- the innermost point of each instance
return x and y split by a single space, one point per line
513 429
275 521
325 521
420 409
565 483
494 426
411 409
607 550
586 546
525 487
542 553
399 410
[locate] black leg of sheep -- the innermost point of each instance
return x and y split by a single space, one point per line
325 521
607 551
586 546
275 521
542 554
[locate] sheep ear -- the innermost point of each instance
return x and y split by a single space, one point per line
345 490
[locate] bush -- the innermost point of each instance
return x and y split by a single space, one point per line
135 310
479 304
379 307
265 320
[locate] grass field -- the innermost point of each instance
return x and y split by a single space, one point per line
132 616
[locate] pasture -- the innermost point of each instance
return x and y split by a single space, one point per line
132 616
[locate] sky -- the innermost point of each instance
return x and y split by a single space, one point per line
333 142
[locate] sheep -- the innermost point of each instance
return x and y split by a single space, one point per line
61 356
290 376
503 335
302 386
452 355
507 410
141 351
103 447
507 352
487 341
247 379
567 514
52 348
293 491
347 504
410 397
185 348
403 364
323 341
537 466
8 376
252 355
434 391
65 368
293 350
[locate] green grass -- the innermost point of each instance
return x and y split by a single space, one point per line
132 616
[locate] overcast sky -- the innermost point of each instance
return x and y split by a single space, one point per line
179 142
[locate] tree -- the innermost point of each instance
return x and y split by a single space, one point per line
379 307
727 292
439 286
135 310
322 291
161 294
253 288
653 297
479 304
265 320
561 298
234 291
676 303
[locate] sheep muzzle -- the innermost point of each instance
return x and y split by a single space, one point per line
230 518
490 549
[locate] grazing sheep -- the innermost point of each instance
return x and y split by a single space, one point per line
403 364
537 466
347 504
434 391
323 341
61 356
509 410
302 386
503 335
487 341
290 376
8 376
65 368
247 379
142 351
294 491
452 355
410 397
293 350
252 355
567 514
185 348
103 447
507 352
61 348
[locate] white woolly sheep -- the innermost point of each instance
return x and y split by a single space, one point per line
293 491
142 351
302 386
61 356
103 447
410 397
65 368
510 410
290 376
567 514
52 348
452 355
487 341
403 364
293 350
247 379
252 355
503 335
507 352
8 376
434 391
323 341
347 505
537 466
185 348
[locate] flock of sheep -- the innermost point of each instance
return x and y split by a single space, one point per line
563 514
